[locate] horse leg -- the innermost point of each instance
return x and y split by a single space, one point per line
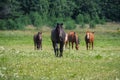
61 48
65 45
92 45
38 46
76 46
69 44
41 45
72 45
56 47
86 45
53 43
89 45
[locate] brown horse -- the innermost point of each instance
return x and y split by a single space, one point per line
73 38
37 38
89 39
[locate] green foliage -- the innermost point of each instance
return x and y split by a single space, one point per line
102 21
11 24
20 23
26 20
86 18
53 21
96 19
98 56
82 25
80 19
92 24
15 24
48 12
36 19
70 24
61 8
3 25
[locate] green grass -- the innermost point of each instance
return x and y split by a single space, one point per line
19 60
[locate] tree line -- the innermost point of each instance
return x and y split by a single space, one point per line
16 14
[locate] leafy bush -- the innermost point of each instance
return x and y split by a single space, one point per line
92 24
82 25
3 25
36 19
80 19
87 18
53 21
97 19
26 20
102 21
70 24
20 23
11 24
45 19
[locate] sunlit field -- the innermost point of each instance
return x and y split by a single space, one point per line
19 60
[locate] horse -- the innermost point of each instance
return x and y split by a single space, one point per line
89 39
37 38
58 37
73 38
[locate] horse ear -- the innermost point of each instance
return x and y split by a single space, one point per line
38 32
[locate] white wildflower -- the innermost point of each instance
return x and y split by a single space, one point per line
1 74
2 48
17 51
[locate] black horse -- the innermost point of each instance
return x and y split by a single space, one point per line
37 38
58 36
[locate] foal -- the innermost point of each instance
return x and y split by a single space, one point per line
37 38
89 39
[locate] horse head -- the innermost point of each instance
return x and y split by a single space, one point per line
39 35
59 31
88 35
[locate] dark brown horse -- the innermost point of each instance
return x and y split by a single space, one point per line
58 37
37 38
89 39
73 38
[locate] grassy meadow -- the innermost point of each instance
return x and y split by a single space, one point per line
19 60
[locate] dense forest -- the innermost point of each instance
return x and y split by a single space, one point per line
16 14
